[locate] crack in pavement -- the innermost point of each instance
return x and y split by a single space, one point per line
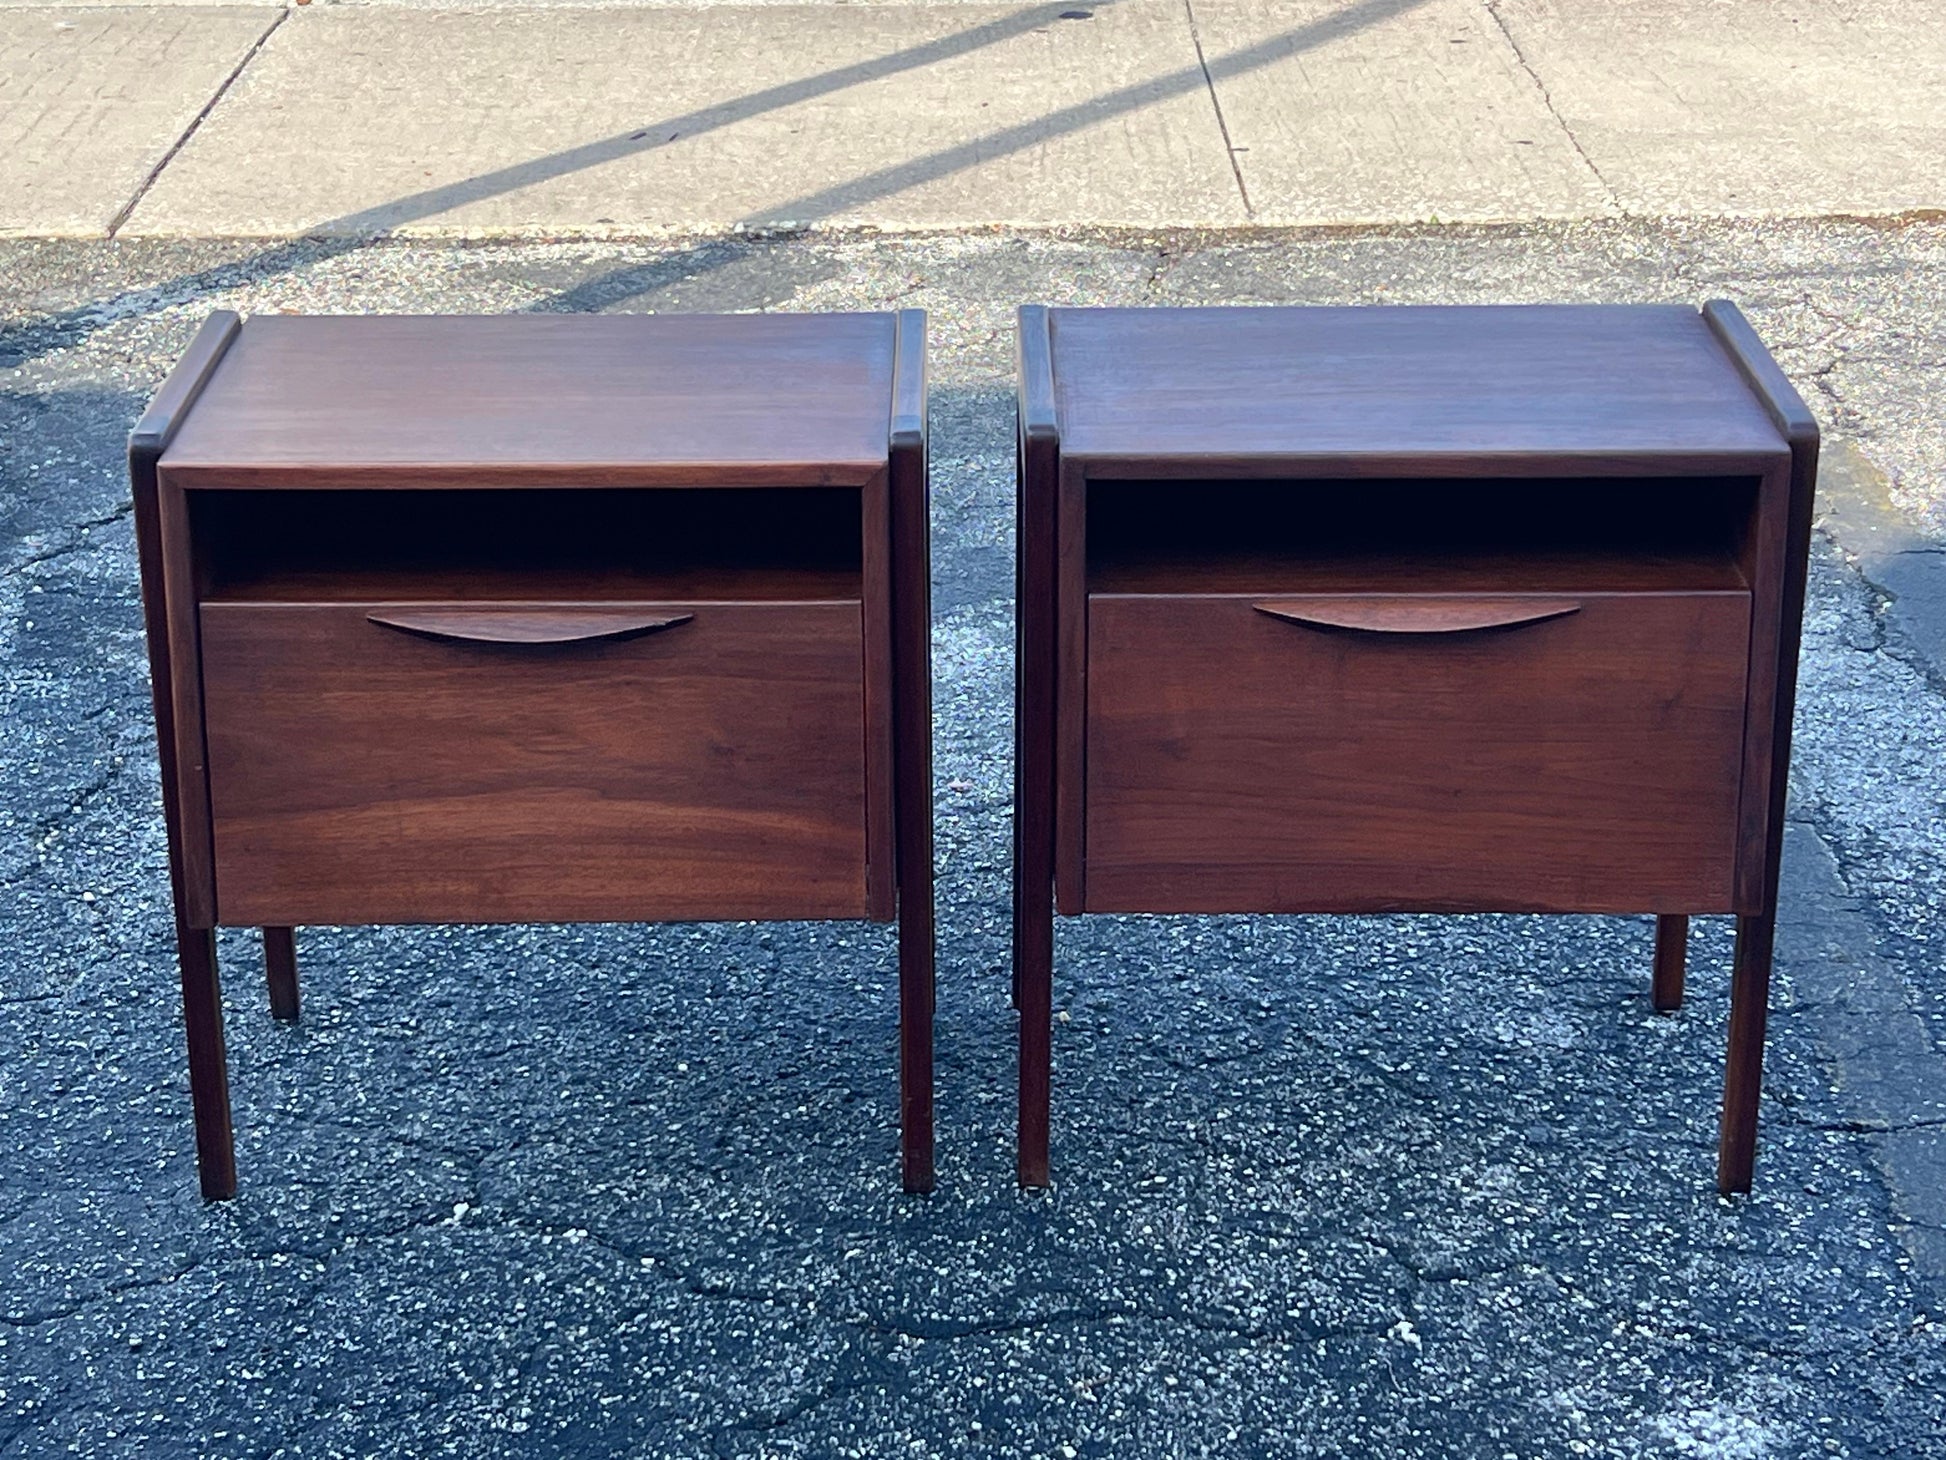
1561 1300
44 830
109 1292
20 567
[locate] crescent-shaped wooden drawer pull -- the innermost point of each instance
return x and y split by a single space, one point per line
1415 613
527 625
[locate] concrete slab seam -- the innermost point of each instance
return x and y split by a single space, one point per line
1216 105
195 122
1547 100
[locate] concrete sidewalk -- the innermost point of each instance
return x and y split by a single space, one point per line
262 121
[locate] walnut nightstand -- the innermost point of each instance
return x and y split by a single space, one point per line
511 619
1407 609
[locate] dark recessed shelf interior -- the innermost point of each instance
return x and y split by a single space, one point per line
1590 534
513 543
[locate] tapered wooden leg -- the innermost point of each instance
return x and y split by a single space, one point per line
280 971
1736 1155
1033 979
209 1078
1671 952
1033 968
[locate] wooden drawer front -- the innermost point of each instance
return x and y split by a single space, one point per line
361 774
1589 761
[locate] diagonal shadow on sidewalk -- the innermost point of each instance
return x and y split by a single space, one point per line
31 339
895 179
34 338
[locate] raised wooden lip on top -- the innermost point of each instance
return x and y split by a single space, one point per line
1406 391
403 401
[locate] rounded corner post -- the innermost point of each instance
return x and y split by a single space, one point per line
1038 473
195 945
912 744
1756 932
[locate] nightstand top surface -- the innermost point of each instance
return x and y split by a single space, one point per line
1393 388
775 399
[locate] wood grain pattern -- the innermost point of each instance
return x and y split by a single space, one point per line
1582 763
526 400
526 625
1421 613
363 776
1485 391
1456 467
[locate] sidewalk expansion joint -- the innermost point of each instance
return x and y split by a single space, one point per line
222 90
1216 105
1547 100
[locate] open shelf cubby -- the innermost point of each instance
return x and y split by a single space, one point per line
514 543
1365 535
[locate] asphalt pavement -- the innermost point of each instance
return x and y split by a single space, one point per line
1404 1186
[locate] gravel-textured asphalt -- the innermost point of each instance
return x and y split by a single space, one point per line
1324 1187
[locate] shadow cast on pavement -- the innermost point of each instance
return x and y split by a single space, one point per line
33 338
